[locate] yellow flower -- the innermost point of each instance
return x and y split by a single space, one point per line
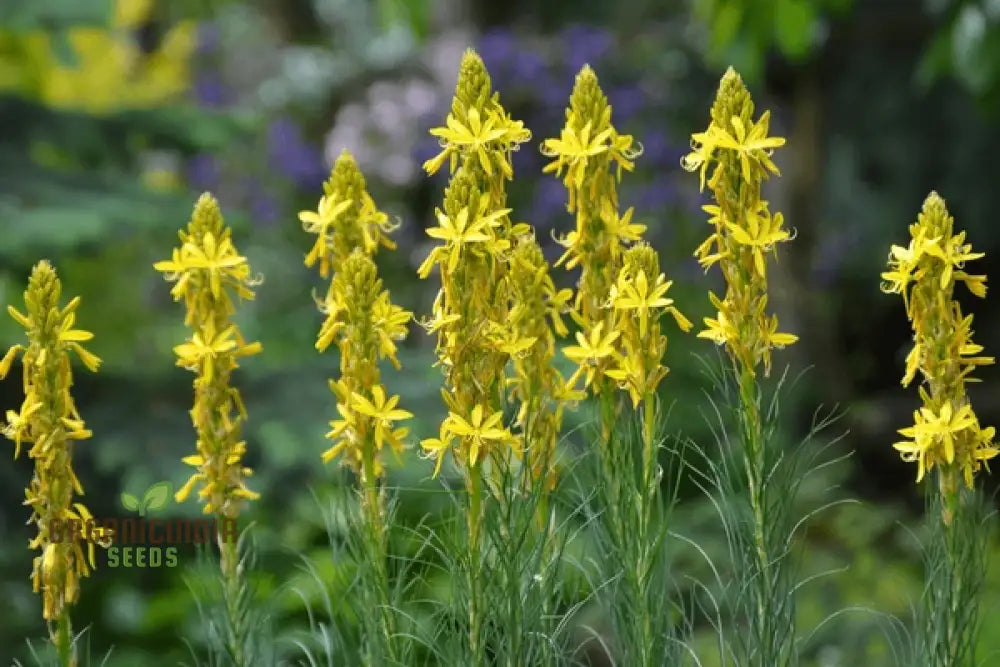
479 432
621 227
775 339
471 314
68 334
437 447
390 322
207 345
700 156
903 265
932 430
474 135
953 252
632 377
760 234
462 230
383 412
478 128
19 424
218 259
720 329
636 295
753 145
343 436
591 353
572 151
320 222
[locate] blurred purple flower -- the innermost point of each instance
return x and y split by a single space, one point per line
498 48
688 268
293 156
211 91
203 172
264 208
657 195
526 159
626 102
658 150
585 45
209 38
552 252
549 120
690 201
424 150
555 95
829 265
548 208
528 68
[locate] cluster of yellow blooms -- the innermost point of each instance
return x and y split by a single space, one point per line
205 270
621 294
538 388
111 71
48 420
471 313
744 228
361 320
946 431
497 307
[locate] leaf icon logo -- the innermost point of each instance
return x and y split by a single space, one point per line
156 497
129 501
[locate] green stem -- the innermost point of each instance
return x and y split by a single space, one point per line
607 402
233 584
539 460
754 461
64 639
647 495
376 529
952 525
475 517
649 454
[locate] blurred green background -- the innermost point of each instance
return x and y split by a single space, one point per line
116 114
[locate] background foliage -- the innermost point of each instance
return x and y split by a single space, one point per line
115 114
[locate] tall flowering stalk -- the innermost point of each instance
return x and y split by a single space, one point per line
738 150
583 155
207 273
364 325
49 421
537 387
639 301
946 439
620 300
471 312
